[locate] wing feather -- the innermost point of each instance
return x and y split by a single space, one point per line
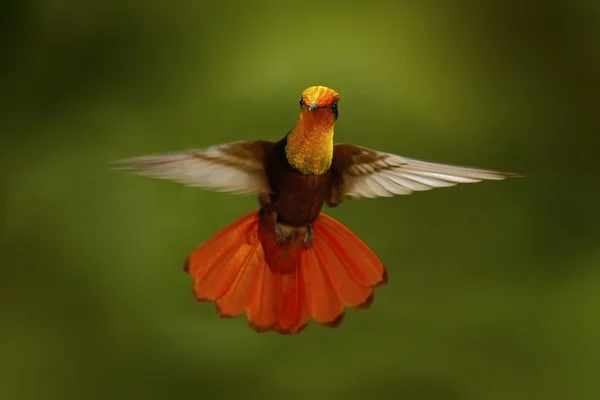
371 173
237 167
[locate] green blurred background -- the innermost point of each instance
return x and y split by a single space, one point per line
494 287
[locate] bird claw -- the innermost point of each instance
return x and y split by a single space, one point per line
279 236
309 236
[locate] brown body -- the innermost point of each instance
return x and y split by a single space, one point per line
297 198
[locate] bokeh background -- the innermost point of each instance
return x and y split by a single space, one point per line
494 289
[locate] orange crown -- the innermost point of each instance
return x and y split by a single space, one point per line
321 95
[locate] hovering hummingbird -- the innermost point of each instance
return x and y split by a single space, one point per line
287 262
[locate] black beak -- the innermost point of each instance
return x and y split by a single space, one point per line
313 106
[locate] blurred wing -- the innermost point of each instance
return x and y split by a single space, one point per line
370 173
234 167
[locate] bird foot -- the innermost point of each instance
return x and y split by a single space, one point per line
309 236
279 235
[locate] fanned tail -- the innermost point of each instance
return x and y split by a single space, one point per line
281 288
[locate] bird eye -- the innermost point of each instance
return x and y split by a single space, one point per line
334 109
301 102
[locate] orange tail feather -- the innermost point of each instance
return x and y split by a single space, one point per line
361 263
280 288
225 266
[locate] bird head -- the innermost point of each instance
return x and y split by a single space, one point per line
309 146
320 103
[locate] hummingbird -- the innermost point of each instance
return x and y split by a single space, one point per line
287 262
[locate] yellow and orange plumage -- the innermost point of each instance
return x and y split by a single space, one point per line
310 144
288 263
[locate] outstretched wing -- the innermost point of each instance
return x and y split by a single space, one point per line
236 167
370 173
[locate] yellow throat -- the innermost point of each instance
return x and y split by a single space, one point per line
309 147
